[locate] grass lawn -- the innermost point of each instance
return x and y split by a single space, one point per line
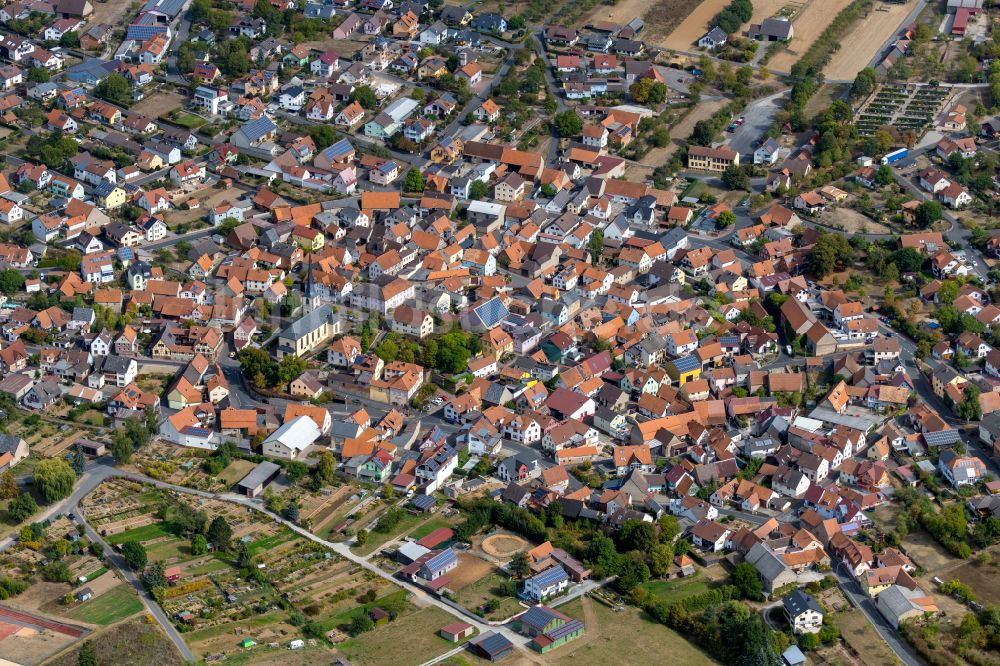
96 574
411 639
429 526
475 594
376 539
144 533
189 120
116 604
348 615
675 590
627 638
267 543
207 567
236 471
167 550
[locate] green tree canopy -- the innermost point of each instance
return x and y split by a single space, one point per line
54 478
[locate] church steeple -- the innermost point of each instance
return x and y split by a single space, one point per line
310 299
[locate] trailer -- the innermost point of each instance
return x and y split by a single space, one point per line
895 156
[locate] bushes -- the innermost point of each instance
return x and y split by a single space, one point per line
484 513
735 15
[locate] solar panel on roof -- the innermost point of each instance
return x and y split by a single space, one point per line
423 501
549 576
565 630
537 616
729 340
941 438
686 364
495 643
491 312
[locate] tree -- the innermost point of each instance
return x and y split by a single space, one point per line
633 573
326 467
243 557
478 190
135 554
661 137
361 538
323 136
519 566
11 281
670 527
969 408
290 512
199 544
121 448
568 123
414 181
907 260
54 478
736 178
744 577
883 175
927 213
864 83
726 218
38 75
661 558
361 623
947 292
115 89
637 535
596 245
365 96
153 576
602 556
88 655
219 533
78 462
22 507
70 40
8 486
829 251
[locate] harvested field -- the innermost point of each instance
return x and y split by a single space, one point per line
981 578
622 13
504 546
867 39
470 569
474 595
809 25
686 35
236 471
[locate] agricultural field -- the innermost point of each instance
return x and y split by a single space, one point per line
905 107
607 631
867 39
808 24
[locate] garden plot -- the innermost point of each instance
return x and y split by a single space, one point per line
907 107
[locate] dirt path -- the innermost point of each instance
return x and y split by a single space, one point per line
866 40
808 25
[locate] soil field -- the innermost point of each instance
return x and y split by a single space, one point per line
470 569
159 103
861 635
852 222
411 639
28 646
808 25
608 632
980 578
112 11
867 39
926 552
503 546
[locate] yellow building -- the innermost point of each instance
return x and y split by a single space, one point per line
683 370
112 199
